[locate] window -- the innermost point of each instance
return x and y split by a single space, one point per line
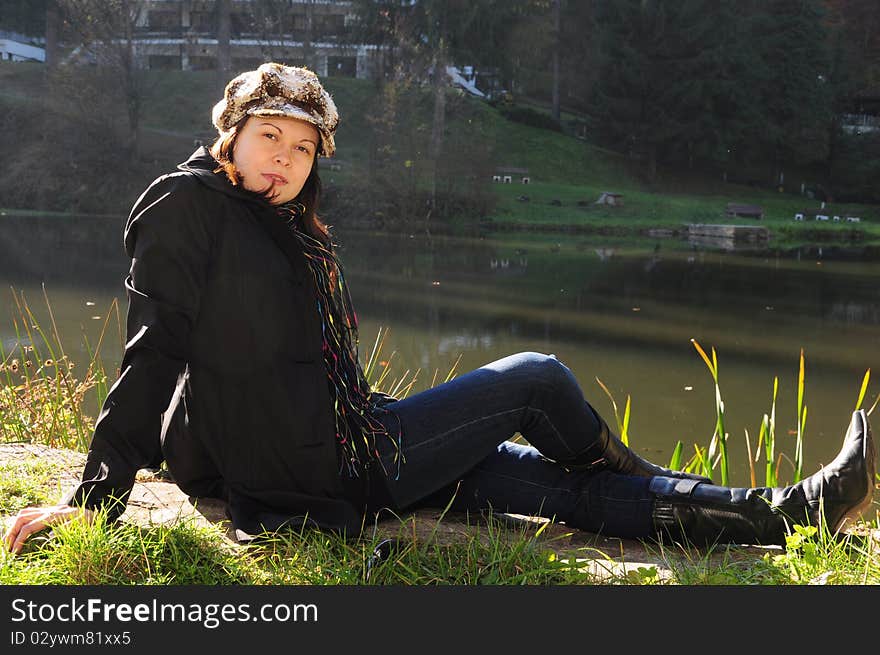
202 21
163 20
298 22
329 25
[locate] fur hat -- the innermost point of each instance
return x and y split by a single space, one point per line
278 90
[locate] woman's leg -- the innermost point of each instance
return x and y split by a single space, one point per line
459 429
449 429
517 479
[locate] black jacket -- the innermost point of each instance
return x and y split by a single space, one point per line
224 342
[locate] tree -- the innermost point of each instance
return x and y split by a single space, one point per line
546 50
104 32
557 36
416 43
224 53
527 46
710 115
854 43
792 42
33 17
53 26
269 21
635 72
579 53
427 36
378 23
858 24
717 82
308 53
26 17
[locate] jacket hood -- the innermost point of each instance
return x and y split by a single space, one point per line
202 164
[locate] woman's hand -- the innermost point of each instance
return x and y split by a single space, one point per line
31 520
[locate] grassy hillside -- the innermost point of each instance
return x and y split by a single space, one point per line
176 112
67 160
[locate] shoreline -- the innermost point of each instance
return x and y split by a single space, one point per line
778 235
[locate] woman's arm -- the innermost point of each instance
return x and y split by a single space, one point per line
168 238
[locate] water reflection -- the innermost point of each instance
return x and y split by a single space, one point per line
623 311
748 305
626 314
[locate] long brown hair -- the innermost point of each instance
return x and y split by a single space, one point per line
309 196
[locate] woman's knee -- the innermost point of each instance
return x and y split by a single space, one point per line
532 360
546 369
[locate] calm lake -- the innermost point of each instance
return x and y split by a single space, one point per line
622 311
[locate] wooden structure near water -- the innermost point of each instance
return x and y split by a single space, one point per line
747 233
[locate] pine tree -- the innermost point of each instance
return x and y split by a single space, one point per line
633 74
27 17
794 95
711 108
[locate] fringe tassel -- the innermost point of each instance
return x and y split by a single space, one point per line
357 429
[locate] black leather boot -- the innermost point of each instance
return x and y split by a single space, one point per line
610 453
701 514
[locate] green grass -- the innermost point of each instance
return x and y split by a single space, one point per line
187 553
642 210
550 157
811 557
116 553
26 483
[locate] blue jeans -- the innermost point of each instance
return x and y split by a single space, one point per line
455 443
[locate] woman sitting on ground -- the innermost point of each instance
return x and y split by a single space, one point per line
241 372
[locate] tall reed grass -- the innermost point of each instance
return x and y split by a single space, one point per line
42 399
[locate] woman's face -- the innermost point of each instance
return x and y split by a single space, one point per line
275 152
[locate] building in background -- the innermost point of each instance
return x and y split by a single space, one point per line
182 35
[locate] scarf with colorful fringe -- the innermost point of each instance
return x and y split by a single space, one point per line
357 429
